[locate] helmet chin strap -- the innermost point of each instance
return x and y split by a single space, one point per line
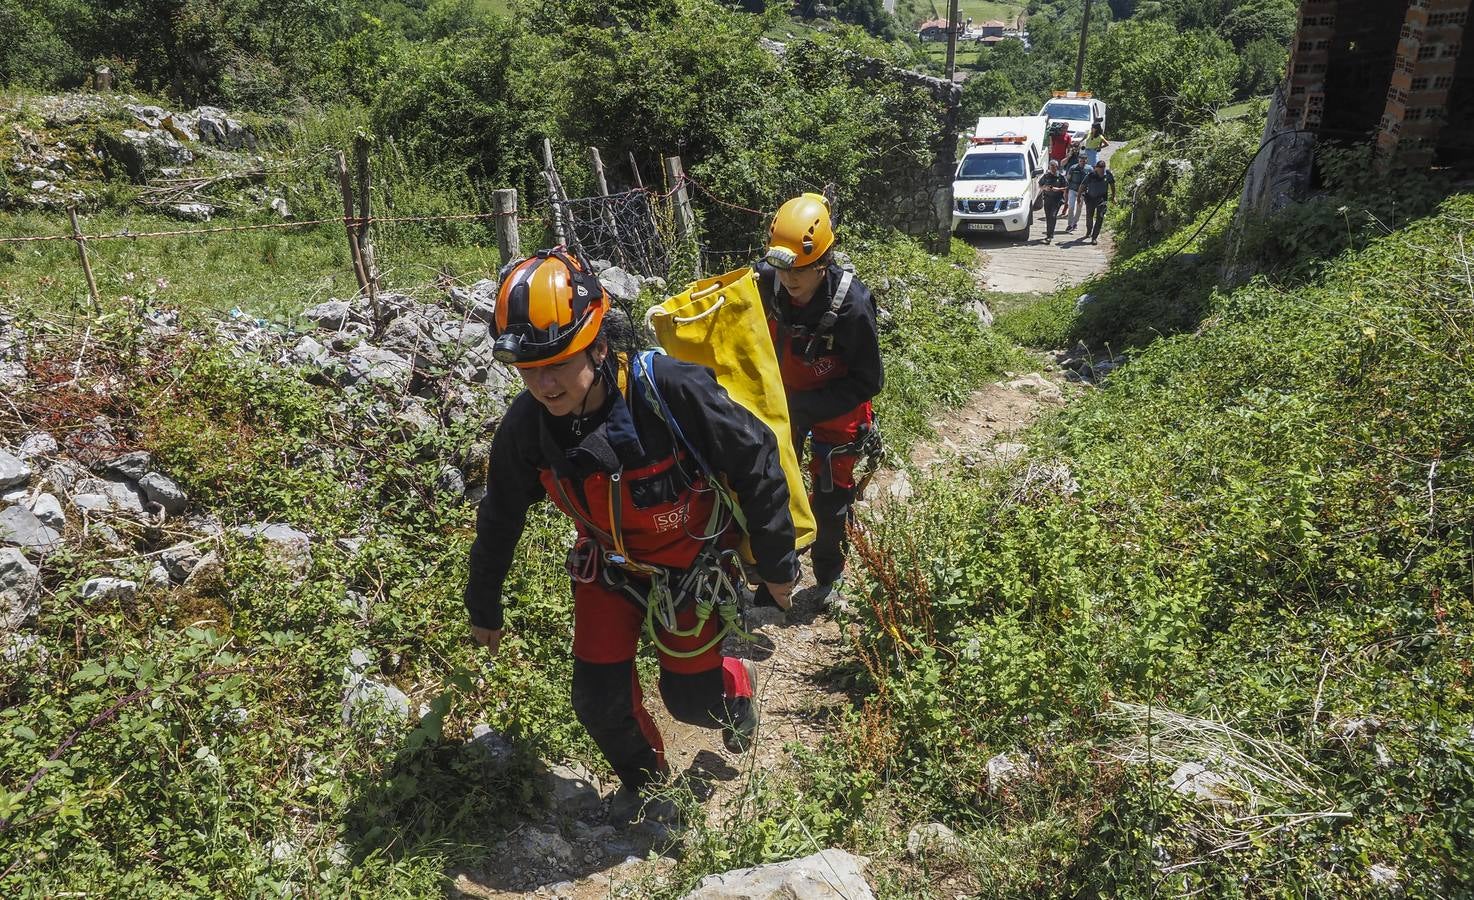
599 375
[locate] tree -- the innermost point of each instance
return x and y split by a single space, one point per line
987 94
1254 20
1262 65
1154 75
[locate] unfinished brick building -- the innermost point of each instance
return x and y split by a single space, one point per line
1389 71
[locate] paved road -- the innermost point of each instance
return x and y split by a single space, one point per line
1013 267
1017 268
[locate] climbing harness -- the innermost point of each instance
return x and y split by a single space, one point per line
663 591
866 444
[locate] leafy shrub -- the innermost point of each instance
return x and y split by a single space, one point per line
1270 530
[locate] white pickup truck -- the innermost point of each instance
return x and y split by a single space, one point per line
1077 109
995 184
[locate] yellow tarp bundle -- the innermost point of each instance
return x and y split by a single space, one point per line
719 323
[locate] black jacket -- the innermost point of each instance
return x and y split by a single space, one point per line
855 340
728 437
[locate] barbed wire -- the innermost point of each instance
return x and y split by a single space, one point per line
347 221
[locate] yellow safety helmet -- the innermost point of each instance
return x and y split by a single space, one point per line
801 233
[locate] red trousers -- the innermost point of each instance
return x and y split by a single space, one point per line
607 698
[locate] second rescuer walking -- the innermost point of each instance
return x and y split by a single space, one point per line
822 321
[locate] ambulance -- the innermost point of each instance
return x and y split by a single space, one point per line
996 181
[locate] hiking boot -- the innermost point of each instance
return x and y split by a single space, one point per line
739 735
628 807
831 598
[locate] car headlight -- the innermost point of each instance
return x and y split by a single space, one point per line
962 206
1009 204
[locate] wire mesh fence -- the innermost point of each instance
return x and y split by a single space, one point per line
629 229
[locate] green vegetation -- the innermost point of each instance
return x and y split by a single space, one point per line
1159 65
1264 527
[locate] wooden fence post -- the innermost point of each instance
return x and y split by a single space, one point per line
86 265
635 169
508 239
685 216
345 184
365 216
610 221
550 174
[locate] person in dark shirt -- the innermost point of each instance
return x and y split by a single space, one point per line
617 440
1099 188
822 322
1075 169
1052 188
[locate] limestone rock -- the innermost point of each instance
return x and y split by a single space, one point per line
207 573
1004 770
370 364
48 509
450 481
491 741
982 313
215 127
38 444
931 838
180 559
19 582
286 544
572 790
828 875
620 284
131 466
1197 781
332 314
124 498
1036 383
308 352
365 698
20 526
14 472
109 589
162 490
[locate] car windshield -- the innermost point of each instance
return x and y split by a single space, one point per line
993 167
1075 112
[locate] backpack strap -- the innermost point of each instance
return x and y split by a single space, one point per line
642 377
831 315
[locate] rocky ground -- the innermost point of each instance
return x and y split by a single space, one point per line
191 164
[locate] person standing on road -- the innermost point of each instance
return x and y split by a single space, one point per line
651 534
822 321
1059 141
1052 189
1095 142
1075 171
1099 188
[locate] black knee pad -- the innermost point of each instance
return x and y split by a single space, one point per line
695 699
603 697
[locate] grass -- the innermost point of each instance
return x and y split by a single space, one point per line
1250 550
914 12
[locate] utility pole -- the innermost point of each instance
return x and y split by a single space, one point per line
952 39
1080 59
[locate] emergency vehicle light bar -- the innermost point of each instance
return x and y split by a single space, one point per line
1001 139
1079 95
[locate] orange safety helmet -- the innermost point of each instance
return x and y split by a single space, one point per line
549 306
801 234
